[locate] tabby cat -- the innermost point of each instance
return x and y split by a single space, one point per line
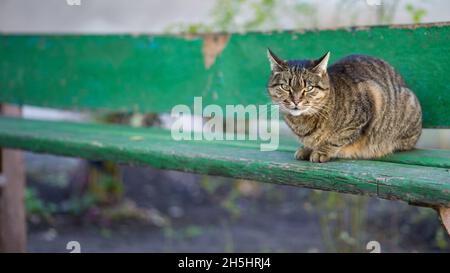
359 107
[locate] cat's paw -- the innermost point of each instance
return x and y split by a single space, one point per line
318 157
303 153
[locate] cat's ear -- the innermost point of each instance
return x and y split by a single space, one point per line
321 64
276 64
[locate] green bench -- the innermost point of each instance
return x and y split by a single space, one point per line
141 73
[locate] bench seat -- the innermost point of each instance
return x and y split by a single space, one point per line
419 177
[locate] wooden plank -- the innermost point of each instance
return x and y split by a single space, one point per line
153 73
421 157
428 186
12 207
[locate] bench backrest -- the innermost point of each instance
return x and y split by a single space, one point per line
153 73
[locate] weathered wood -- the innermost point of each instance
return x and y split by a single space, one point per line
444 214
12 208
428 186
421 157
153 73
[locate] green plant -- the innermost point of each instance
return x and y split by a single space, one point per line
252 15
416 13
263 13
342 220
192 231
106 188
220 190
231 201
441 239
79 205
224 14
35 207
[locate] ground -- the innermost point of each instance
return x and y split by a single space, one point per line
179 212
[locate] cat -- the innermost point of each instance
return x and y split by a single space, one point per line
358 108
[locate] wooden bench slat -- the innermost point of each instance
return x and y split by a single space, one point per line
288 143
428 186
153 73
422 157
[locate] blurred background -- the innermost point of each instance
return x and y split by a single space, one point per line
115 208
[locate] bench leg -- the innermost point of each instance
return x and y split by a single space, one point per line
444 214
12 207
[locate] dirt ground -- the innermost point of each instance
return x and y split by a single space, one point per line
176 213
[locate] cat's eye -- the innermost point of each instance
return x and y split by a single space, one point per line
285 87
309 88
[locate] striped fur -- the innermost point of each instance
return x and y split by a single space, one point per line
359 107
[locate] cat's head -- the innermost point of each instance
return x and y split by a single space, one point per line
299 87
